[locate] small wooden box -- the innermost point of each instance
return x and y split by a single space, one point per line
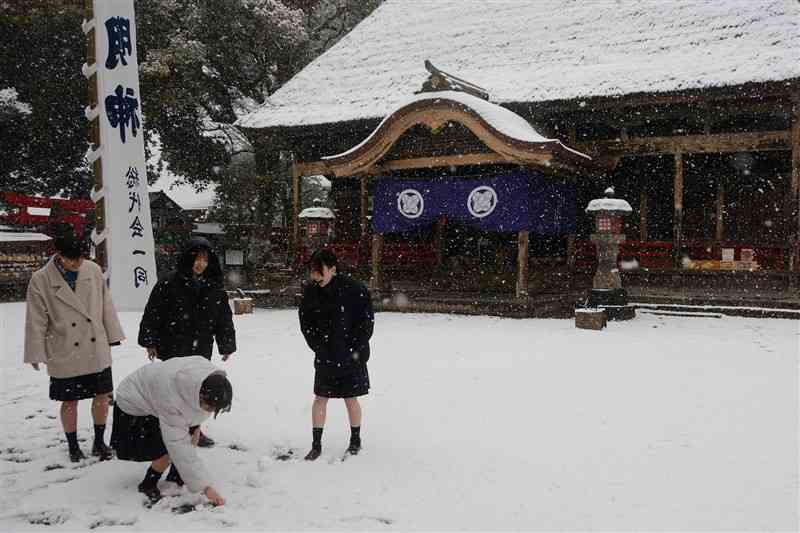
590 319
243 306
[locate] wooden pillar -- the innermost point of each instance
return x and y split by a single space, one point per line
364 203
720 233
296 175
571 252
438 239
523 240
794 195
643 213
677 220
377 248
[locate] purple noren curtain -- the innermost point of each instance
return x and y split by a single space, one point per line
507 202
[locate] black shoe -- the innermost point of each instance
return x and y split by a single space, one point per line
76 455
102 451
174 476
151 491
354 448
204 441
314 454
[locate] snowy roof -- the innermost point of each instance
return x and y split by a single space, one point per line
316 212
183 193
540 51
505 121
9 236
208 228
609 204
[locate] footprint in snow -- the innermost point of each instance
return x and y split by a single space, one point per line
53 517
109 522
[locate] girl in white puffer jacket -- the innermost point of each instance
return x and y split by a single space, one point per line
156 414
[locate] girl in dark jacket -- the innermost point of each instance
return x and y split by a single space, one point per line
188 309
337 321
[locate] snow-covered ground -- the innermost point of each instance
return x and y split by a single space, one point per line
474 423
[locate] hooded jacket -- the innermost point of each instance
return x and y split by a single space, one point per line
170 391
184 314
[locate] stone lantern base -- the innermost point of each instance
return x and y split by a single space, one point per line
614 301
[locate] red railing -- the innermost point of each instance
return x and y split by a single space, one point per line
659 254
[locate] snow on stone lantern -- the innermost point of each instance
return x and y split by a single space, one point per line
317 225
607 292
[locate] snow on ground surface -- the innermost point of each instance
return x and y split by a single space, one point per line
473 423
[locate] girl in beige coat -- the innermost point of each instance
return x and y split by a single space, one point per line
70 324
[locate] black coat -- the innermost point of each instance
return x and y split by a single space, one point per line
337 322
184 314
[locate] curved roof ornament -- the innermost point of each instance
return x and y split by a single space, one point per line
440 80
500 129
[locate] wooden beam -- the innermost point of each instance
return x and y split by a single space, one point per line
523 242
794 261
643 212
692 144
447 161
571 252
312 168
677 221
296 175
438 239
720 230
377 248
364 202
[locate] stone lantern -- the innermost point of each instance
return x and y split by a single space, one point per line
317 225
607 292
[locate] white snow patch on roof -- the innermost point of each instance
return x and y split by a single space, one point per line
9 236
208 228
609 204
538 51
316 212
505 121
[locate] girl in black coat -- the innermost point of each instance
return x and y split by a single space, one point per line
336 319
187 310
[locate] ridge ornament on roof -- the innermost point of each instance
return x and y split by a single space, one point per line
440 80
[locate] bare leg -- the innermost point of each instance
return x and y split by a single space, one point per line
353 411
69 416
160 464
318 411
100 409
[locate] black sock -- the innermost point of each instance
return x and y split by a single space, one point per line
151 477
99 432
355 435
317 442
72 440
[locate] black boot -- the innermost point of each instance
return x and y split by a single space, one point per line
99 449
174 476
204 441
149 485
355 440
151 491
314 454
75 453
316 445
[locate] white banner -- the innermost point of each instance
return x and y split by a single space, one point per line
128 229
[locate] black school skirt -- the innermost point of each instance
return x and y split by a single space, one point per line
349 385
136 438
81 387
